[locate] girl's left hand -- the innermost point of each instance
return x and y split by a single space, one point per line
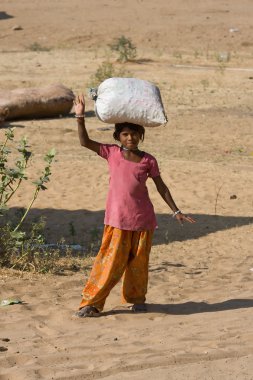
181 218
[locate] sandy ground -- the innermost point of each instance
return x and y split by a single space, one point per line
199 324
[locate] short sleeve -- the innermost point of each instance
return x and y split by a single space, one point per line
153 168
105 150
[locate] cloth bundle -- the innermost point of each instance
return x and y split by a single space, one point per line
121 100
20 103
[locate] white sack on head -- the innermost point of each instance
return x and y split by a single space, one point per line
53 100
121 100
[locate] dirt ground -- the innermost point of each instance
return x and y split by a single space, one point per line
199 323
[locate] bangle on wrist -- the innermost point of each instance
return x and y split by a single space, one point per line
176 212
79 116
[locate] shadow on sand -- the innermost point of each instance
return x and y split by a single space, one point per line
200 307
190 307
4 16
58 222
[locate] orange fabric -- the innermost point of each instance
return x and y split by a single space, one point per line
122 253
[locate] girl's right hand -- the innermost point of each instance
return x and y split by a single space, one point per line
79 104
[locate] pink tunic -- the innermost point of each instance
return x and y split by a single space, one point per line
128 206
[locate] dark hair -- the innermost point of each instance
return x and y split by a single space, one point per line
134 127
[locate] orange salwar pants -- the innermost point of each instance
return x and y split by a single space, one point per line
122 253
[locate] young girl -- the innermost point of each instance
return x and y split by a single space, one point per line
129 218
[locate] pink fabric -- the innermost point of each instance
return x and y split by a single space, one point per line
128 206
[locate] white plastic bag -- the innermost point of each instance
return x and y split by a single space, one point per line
121 100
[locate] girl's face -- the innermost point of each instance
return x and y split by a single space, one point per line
129 138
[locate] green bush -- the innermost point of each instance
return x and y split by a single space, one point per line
104 71
18 246
125 48
35 46
28 253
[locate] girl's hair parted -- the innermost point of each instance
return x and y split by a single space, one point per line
134 127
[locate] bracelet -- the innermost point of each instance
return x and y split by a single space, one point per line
176 212
79 116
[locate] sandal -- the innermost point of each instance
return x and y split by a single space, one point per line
87 311
139 308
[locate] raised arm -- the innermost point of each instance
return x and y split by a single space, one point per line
82 132
166 195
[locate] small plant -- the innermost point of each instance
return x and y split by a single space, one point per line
177 54
72 231
216 199
239 150
35 46
94 241
223 56
125 48
221 68
104 71
197 54
31 252
12 238
205 83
